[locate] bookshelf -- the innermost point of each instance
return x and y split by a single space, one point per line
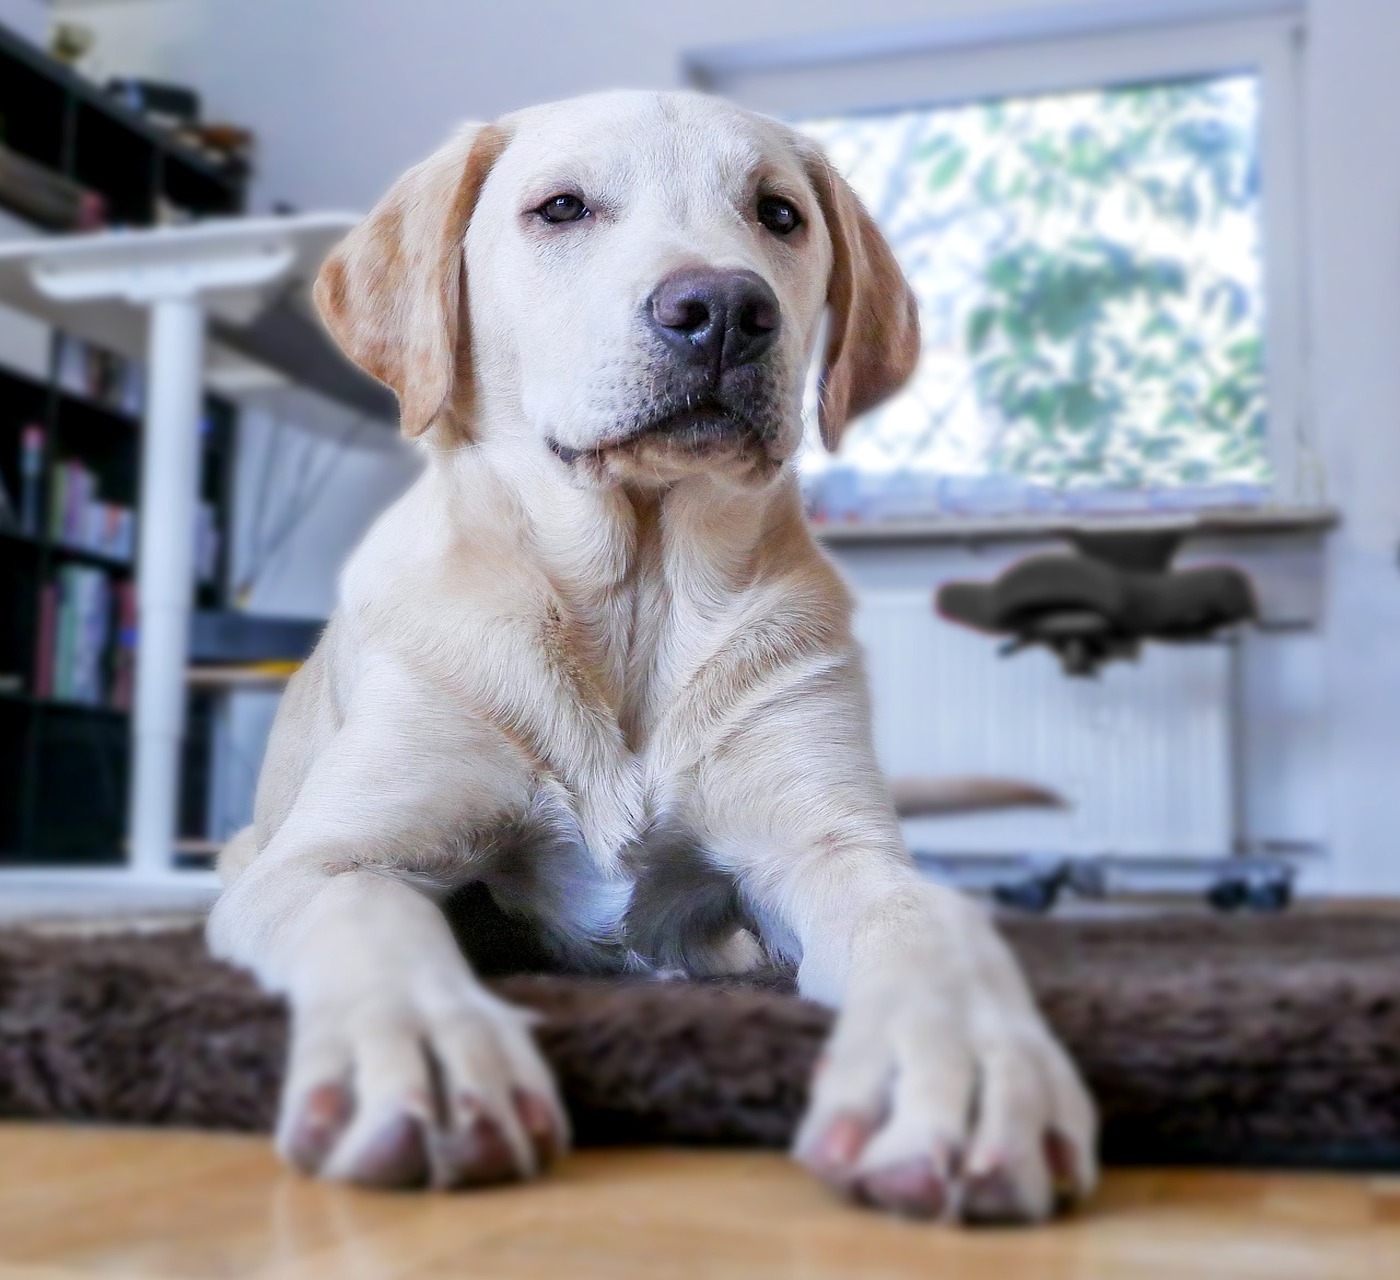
70 466
82 140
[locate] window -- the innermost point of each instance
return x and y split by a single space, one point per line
1103 262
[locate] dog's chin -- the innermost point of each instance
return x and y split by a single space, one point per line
696 431
665 449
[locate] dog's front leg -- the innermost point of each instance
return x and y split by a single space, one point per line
941 1093
403 1069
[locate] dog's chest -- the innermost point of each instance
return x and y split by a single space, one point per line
667 906
639 644
645 638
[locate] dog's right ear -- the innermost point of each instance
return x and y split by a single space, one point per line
393 292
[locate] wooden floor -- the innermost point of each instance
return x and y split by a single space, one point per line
82 1203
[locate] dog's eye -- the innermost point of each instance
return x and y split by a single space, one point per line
563 208
778 215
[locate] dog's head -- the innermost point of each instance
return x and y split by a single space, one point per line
634 280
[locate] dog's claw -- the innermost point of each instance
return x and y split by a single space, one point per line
913 1188
1064 1175
475 1153
324 1114
396 1157
990 1198
835 1153
537 1117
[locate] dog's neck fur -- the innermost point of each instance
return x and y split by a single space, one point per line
647 584
703 534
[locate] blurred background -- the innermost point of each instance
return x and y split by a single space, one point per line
1156 245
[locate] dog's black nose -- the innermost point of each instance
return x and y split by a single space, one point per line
716 318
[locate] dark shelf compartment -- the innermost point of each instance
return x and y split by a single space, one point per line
121 164
79 798
50 94
15 540
35 108
22 399
63 705
19 573
15 726
61 551
192 187
82 413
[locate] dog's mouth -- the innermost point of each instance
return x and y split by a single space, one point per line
699 428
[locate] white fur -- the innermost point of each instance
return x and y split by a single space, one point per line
713 685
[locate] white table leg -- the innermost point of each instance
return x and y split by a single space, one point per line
165 572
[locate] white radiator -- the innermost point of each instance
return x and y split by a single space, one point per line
1143 752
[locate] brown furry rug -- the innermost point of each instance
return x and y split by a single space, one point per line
1243 1040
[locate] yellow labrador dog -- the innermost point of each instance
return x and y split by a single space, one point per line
594 664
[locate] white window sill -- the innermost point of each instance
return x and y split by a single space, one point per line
1221 522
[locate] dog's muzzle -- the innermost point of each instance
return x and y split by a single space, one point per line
712 333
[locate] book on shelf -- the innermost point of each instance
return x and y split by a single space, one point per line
9 516
48 198
124 650
101 376
86 638
31 473
44 640
79 518
206 543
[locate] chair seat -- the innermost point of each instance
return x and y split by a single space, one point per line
1088 610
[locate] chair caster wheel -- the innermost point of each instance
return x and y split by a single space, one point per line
1228 894
1269 896
1035 895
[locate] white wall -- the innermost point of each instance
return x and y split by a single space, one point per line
30 18
1353 157
345 93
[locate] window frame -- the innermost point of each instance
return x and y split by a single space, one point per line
959 62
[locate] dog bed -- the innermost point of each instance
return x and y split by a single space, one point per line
1267 1041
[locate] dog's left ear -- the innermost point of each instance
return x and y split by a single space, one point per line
393 292
873 341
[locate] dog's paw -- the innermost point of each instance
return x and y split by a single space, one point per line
402 1090
927 1107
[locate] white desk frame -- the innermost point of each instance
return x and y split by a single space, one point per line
148 294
